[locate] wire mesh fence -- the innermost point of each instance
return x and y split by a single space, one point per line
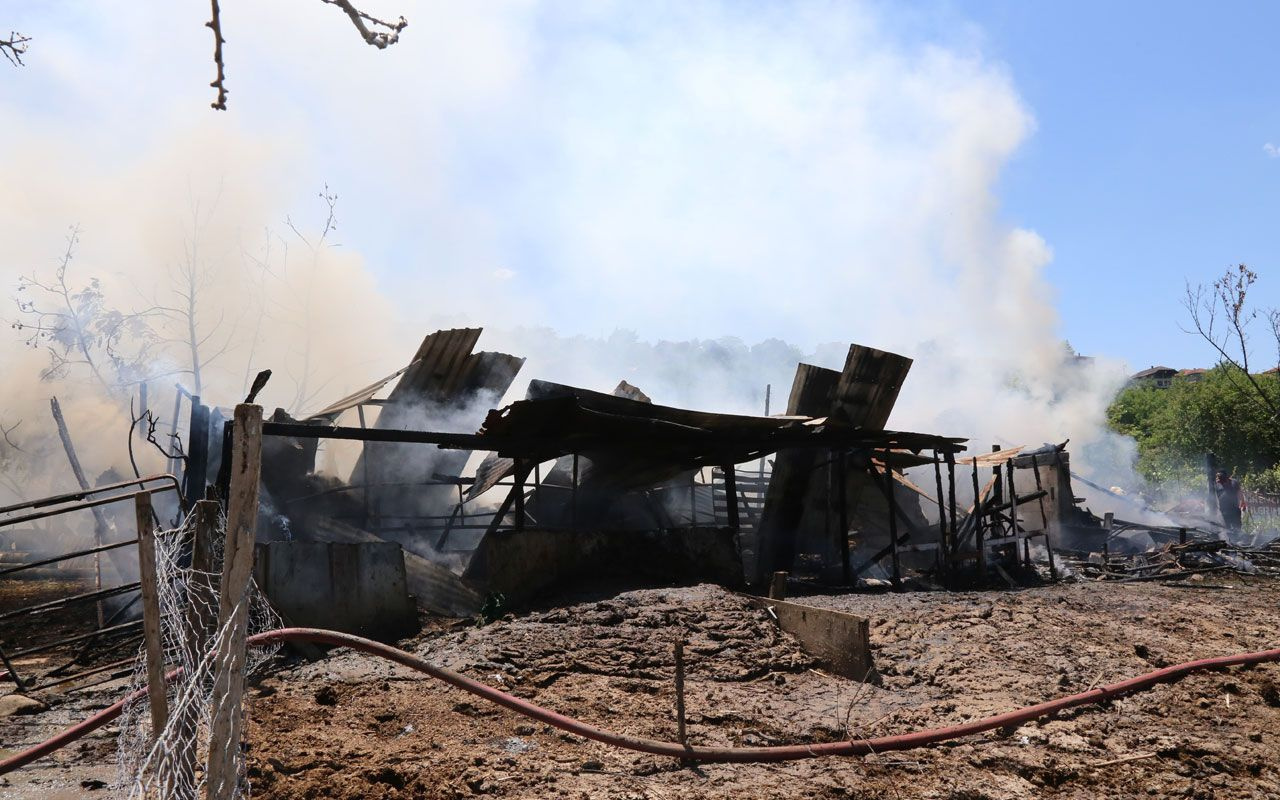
171 762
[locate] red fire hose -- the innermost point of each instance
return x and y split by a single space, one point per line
881 744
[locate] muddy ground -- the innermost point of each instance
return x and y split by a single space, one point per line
350 726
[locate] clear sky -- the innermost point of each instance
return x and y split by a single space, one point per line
698 169
1148 165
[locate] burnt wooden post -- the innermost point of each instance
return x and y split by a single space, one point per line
197 451
778 586
152 642
951 491
942 510
573 496
679 653
693 500
997 488
174 464
731 489
1182 535
518 489
842 475
979 527
1044 515
513 497
537 493
1108 520
100 524
199 619
1013 520
892 497
364 469
233 606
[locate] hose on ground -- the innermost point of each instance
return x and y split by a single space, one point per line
704 754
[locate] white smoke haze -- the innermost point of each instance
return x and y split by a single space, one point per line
688 196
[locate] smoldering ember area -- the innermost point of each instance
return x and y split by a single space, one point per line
758 400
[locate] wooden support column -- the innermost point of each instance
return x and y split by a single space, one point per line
942 512
892 497
693 499
517 493
979 525
197 473
731 490
951 493
1013 520
174 464
842 475
1044 515
537 494
518 489
573 496
152 641
364 468
233 603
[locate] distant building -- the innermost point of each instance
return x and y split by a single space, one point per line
1159 377
1192 375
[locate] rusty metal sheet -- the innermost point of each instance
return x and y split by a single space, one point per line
354 399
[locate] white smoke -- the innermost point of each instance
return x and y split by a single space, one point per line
688 171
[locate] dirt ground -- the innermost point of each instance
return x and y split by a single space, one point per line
350 726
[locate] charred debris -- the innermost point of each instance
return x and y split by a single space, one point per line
570 484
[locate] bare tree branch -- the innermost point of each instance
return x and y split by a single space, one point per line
1228 297
380 39
14 47
6 431
215 24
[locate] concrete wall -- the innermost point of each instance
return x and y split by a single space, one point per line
354 588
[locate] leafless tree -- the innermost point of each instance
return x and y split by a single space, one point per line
79 330
304 394
1220 313
203 343
264 269
374 31
14 47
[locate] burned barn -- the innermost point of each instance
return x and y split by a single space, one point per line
453 499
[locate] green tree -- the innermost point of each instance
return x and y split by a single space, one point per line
1218 414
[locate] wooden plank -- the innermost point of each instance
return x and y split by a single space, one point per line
841 642
233 605
100 524
153 644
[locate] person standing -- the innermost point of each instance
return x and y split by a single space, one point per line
1230 500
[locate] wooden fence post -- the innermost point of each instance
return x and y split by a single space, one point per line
200 618
680 729
233 609
154 645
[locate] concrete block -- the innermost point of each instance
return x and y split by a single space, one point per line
354 588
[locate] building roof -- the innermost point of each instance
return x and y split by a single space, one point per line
1153 372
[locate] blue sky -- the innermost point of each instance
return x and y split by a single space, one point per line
1147 165
664 168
